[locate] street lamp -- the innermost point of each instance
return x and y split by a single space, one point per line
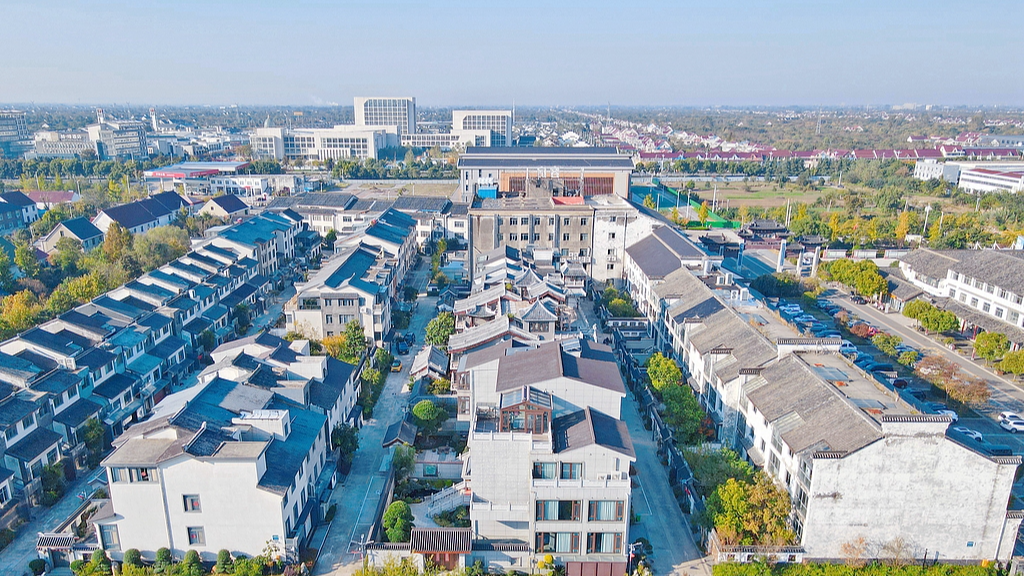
927 211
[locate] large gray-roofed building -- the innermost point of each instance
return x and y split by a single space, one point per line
665 251
808 412
595 365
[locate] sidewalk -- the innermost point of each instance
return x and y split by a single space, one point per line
15 557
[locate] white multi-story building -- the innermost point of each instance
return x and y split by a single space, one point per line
14 136
933 169
51 144
982 180
982 287
548 461
118 138
399 112
341 141
851 452
483 127
650 260
232 466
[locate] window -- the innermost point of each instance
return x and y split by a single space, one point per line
986 307
551 237
999 312
990 288
606 510
583 237
565 237
571 471
559 510
196 536
5 495
544 470
610 266
28 421
513 237
133 475
568 542
513 221
604 543
327 302
611 235
536 237
565 221
974 302
329 319
583 221
109 538
329 333
1012 317
551 221
191 502
536 221
963 297
11 432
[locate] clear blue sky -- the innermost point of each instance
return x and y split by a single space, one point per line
491 52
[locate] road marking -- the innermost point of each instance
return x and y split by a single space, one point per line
644 493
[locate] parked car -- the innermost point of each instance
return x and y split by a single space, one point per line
1007 415
857 299
900 383
804 318
942 410
401 347
828 333
904 348
882 368
972 434
410 337
1012 425
847 348
396 365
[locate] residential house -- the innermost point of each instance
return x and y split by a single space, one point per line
77 228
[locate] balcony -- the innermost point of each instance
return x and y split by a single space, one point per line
613 480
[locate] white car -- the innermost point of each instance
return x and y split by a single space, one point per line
1013 425
948 412
972 434
1009 416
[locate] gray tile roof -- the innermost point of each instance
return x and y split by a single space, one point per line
663 252
808 412
37 442
594 366
588 427
75 415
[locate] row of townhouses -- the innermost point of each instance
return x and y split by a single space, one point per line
858 458
361 281
115 357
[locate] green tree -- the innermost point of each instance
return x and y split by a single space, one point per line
663 372
25 259
397 521
440 329
191 565
117 242
915 308
242 318
6 277
938 321
159 246
649 202
684 414
404 461
67 255
133 557
1012 362
887 343
345 439
712 468
429 416
750 513
164 559
991 345
207 340
224 562
623 308
355 342
703 212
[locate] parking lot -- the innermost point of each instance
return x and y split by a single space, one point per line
1005 396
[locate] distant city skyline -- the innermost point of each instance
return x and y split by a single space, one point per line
738 53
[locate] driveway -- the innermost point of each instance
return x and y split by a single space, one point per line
356 499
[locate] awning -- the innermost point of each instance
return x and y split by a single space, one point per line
51 540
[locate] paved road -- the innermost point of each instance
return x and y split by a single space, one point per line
357 498
661 522
1005 395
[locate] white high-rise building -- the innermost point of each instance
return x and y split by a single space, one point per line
14 136
493 126
387 111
